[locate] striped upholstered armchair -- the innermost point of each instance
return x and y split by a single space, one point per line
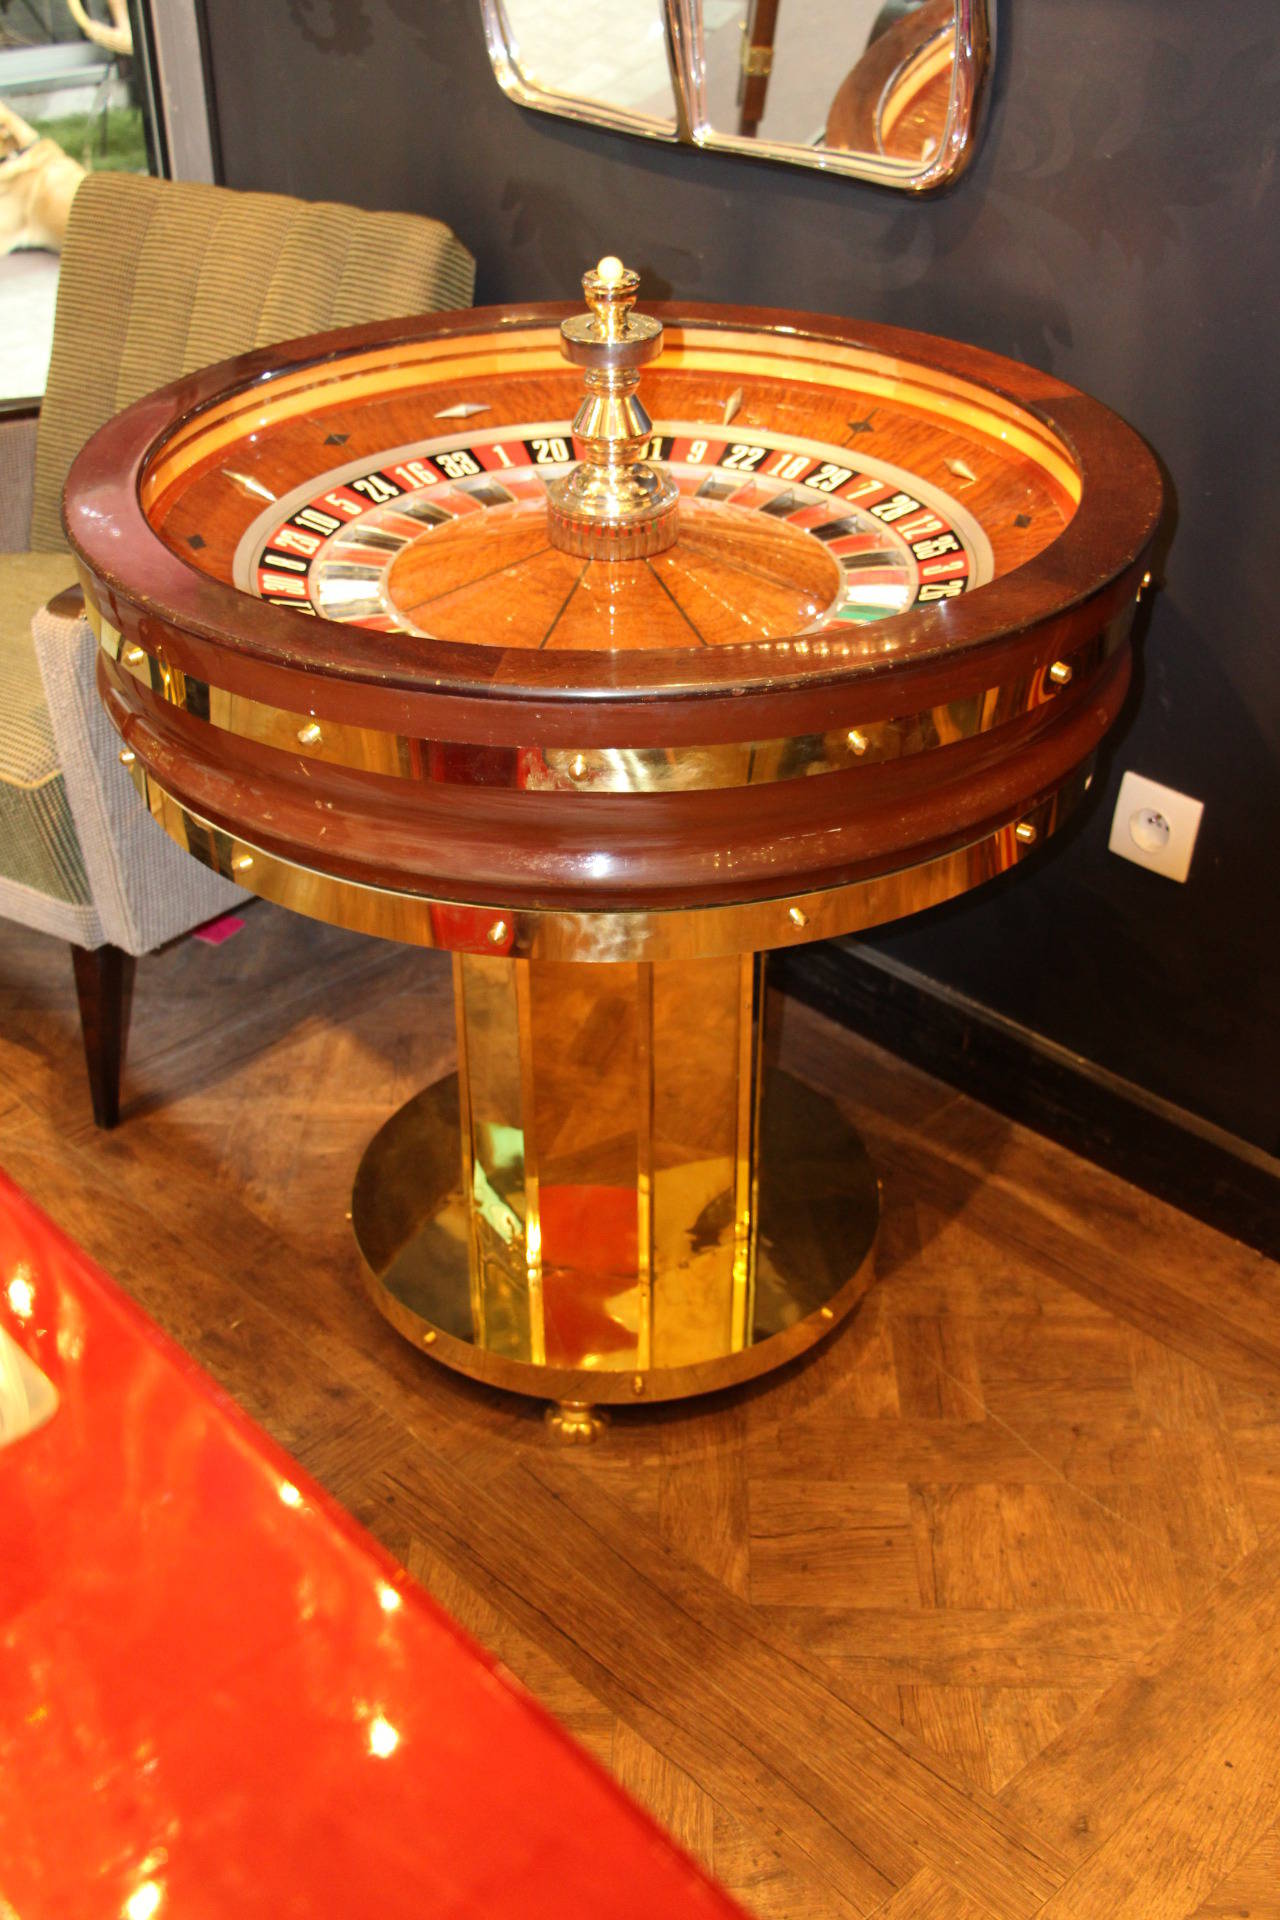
158 277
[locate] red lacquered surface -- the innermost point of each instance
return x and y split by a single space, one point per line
219 1697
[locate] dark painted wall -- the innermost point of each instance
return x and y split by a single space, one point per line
1117 229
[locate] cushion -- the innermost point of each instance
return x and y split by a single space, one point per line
38 844
162 276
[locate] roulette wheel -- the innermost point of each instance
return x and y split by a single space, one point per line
609 650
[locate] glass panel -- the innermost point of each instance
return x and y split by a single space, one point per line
862 76
70 101
887 90
615 56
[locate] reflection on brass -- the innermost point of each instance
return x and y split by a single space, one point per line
814 1214
645 1071
615 769
614 505
498 1218
553 934
746 1191
605 1210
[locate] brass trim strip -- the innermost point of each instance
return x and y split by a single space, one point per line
672 933
467 1143
744 763
532 1190
644 1164
745 1171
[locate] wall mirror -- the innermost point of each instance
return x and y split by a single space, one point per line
885 90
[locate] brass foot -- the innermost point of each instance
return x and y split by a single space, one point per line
574 1422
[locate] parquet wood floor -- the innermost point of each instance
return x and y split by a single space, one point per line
973 1616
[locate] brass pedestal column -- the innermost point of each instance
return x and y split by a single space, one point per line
614 1199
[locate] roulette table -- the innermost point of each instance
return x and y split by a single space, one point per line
609 650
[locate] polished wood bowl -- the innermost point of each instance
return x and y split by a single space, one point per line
736 745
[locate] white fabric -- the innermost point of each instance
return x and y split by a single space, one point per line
146 890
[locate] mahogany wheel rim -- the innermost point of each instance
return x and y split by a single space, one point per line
1092 560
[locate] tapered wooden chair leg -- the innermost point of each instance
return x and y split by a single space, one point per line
104 988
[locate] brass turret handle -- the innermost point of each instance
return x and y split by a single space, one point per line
614 505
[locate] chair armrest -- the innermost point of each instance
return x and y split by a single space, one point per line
145 889
17 473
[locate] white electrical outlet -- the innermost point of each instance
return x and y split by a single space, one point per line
1155 827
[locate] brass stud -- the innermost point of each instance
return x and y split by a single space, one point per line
310 735
1027 832
429 1337
637 1383
858 741
242 862
578 766
1060 673
797 916
827 1313
134 655
127 756
497 933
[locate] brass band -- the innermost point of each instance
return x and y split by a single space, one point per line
623 769
647 934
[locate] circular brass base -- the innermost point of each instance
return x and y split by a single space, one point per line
817 1213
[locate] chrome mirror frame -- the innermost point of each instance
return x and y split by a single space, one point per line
974 52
